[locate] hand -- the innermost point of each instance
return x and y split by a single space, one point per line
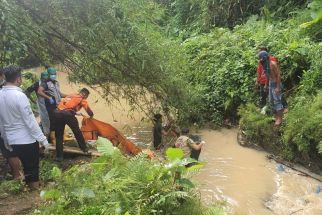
51 101
277 90
45 145
46 150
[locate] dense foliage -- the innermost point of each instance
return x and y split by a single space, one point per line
196 56
114 184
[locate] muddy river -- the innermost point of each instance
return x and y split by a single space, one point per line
244 178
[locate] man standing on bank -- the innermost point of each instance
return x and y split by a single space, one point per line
19 128
273 75
65 114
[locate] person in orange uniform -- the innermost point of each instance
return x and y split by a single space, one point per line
65 114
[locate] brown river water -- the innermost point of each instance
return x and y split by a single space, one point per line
244 178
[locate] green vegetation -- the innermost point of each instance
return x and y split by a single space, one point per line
11 187
114 184
258 127
197 56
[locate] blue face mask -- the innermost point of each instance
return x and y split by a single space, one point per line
52 77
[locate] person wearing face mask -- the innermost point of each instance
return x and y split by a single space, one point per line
50 90
273 75
262 82
19 129
44 119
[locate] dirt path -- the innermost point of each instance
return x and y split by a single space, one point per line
22 203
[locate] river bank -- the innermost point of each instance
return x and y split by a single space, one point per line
243 178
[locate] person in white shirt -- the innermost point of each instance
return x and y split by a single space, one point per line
18 127
12 160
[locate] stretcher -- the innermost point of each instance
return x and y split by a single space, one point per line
92 128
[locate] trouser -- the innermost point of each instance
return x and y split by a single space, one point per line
44 118
29 157
275 100
50 110
262 96
61 119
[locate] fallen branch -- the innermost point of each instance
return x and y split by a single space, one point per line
76 150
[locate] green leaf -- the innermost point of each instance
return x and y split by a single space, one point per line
83 193
104 146
50 194
56 172
186 183
197 166
173 154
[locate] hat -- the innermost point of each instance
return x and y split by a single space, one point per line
44 74
263 56
51 71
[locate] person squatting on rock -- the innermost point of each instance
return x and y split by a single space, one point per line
185 143
273 75
50 90
19 129
65 114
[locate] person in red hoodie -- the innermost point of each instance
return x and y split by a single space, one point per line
263 83
262 80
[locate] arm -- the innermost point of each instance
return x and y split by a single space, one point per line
30 120
277 74
89 112
63 95
87 108
196 146
41 92
259 71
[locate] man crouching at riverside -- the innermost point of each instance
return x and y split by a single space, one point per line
273 76
19 128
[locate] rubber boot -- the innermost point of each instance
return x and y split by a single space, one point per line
67 137
34 185
52 137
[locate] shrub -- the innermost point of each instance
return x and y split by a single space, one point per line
11 187
258 127
114 184
303 124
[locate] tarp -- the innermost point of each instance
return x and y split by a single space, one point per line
92 128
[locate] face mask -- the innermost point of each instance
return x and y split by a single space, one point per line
266 67
52 77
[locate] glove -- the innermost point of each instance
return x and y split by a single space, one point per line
51 101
